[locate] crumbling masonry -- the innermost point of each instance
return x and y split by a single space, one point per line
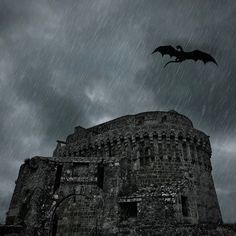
144 174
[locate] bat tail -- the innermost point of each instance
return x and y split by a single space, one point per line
154 52
212 62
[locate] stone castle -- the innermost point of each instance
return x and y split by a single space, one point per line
144 174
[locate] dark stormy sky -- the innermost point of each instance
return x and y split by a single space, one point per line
83 62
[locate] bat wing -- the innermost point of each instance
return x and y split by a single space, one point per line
166 50
199 55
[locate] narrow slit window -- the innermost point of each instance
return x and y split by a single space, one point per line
185 206
100 176
57 178
185 151
109 149
163 118
141 159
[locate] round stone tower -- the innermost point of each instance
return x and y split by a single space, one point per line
162 156
148 173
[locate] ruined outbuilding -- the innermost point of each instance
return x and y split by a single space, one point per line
144 174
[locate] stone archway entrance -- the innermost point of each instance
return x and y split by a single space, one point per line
76 215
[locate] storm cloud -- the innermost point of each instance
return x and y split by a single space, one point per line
69 63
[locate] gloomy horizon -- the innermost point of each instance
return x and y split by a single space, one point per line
70 63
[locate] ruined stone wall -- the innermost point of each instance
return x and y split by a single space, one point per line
32 195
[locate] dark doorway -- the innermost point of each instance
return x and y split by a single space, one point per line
128 210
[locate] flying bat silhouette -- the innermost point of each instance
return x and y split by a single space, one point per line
182 56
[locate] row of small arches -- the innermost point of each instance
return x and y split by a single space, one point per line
109 150
133 139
